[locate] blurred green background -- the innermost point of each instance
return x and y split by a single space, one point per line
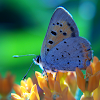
23 25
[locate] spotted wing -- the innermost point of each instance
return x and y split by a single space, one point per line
61 26
68 54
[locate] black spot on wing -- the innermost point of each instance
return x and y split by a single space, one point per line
68 53
53 24
62 55
65 42
72 29
64 33
50 42
61 25
67 62
68 24
78 56
73 34
54 33
57 58
47 49
60 30
56 48
57 23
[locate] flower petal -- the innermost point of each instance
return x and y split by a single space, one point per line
48 98
17 89
79 72
57 87
29 84
97 67
51 81
88 71
23 83
67 95
34 88
47 92
16 97
23 90
33 96
80 79
41 80
93 83
72 82
96 93
95 60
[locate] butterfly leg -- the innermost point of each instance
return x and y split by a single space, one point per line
56 74
45 72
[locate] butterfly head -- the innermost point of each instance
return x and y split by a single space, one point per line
37 60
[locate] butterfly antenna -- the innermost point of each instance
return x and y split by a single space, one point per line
27 71
17 56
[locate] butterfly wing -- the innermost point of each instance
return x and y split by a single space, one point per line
61 26
68 54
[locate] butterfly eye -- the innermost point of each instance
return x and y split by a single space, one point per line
38 58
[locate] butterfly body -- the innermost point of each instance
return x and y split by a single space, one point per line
62 48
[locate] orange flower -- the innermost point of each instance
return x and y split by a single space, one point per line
58 94
6 84
26 91
54 89
96 68
91 82
44 81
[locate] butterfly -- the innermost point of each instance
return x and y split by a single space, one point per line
63 48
